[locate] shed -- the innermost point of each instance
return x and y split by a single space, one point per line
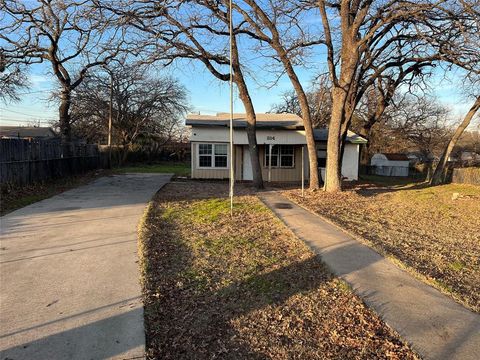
390 164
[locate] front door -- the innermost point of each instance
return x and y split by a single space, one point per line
247 164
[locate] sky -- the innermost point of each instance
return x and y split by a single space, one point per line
209 95
206 94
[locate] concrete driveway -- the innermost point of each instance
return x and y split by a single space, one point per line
69 273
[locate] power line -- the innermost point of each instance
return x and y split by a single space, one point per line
21 113
26 120
35 92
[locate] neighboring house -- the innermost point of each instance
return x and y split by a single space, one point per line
280 139
27 132
390 164
469 156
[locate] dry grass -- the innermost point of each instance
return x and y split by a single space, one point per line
245 288
423 227
13 197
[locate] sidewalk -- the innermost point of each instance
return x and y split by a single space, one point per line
435 325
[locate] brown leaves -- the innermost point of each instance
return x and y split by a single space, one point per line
423 227
245 288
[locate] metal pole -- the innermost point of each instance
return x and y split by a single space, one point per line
110 117
232 174
303 172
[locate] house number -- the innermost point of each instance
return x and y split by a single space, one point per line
270 137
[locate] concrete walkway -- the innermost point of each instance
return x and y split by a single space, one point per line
69 273
436 326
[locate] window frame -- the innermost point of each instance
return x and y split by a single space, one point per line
279 156
212 156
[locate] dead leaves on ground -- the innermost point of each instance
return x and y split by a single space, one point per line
423 227
245 287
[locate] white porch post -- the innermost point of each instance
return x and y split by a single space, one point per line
303 170
269 162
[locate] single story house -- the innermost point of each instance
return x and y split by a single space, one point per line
27 132
390 164
281 142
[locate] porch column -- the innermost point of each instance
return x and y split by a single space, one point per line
269 162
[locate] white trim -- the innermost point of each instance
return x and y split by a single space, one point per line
212 155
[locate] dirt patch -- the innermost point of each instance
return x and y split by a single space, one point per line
427 229
245 287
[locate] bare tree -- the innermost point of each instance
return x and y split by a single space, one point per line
144 107
319 102
73 36
12 79
421 123
458 46
197 31
364 39
271 23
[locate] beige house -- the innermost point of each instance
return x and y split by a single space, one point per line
282 148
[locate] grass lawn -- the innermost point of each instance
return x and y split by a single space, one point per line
16 197
423 227
245 287
179 169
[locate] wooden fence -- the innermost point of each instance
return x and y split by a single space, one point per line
469 175
28 161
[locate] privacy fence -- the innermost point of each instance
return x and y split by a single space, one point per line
468 175
27 161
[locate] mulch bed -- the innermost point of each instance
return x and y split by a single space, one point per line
429 229
245 287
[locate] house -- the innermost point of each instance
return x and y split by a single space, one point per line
280 139
390 164
27 132
469 156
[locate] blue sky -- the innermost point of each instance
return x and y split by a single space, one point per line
207 94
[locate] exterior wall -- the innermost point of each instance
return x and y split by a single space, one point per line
290 137
264 136
238 153
385 167
350 161
381 160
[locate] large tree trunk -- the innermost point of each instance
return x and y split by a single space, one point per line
64 116
251 133
343 105
439 175
306 117
333 180
251 117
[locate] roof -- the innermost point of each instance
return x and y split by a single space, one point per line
26 132
396 157
322 135
266 120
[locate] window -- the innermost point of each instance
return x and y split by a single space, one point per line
282 156
212 155
221 155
